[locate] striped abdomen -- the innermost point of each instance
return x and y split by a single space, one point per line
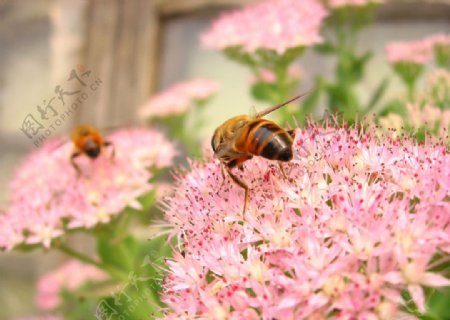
265 138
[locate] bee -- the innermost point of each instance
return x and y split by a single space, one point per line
242 137
87 140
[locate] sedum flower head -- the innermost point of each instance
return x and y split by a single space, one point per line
70 276
441 44
48 197
178 98
274 25
358 220
418 52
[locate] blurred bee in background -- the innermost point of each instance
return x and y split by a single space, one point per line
88 141
242 137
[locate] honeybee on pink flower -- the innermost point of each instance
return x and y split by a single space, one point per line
343 238
88 141
48 197
240 138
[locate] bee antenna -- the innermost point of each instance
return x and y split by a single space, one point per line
273 108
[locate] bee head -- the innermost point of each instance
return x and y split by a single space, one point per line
92 149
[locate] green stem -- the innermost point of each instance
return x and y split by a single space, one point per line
281 74
79 256
411 89
114 272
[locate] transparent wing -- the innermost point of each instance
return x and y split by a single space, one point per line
252 112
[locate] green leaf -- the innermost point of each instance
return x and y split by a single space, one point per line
394 106
150 260
116 252
76 306
439 303
236 54
147 200
343 101
325 48
264 91
291 54
309 103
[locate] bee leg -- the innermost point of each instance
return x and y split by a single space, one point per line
222 171
282 170
110 144
222 165
74 164
291 132
242 184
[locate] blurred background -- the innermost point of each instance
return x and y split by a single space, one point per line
134 49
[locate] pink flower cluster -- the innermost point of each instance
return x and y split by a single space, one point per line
70 276
274 25
358 220
428 117
178 98
352 3
47 195
418 52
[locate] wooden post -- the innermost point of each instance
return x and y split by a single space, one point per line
120 50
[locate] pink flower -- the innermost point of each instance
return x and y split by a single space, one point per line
295 72
418 52
70 276
358 220
267 75
428 117
47 195
178 98
352 3
274 25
